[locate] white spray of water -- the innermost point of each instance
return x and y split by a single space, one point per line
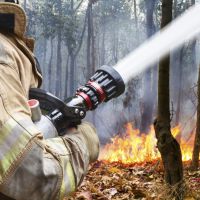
182 29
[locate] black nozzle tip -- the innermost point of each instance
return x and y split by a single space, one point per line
116 77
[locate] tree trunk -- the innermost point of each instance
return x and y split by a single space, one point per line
147 112
115 39
89 37
103 51
59 56
72 74
196 150
115 44
167 145
193 47
66 88
58 66
177 72
149 91
178 84
44 67
91 57
73 50
93 53
50 67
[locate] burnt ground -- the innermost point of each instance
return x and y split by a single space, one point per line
144 181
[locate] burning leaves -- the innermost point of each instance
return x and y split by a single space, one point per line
136 147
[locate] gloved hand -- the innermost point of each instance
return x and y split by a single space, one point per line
87 133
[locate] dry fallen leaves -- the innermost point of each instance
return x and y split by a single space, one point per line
116 181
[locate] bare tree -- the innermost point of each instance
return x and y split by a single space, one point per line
167 145
91 56
196 150
149 92
59 55
73 42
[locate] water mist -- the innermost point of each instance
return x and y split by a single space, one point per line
182 29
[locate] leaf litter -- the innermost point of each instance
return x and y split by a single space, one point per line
144 181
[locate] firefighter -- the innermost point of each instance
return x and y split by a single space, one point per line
31 167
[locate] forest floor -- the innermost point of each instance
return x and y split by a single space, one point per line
116 181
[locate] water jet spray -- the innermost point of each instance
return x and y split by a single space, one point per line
183 28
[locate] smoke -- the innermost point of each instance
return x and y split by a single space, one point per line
150 52
186 27
116 35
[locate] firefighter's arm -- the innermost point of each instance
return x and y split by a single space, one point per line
31 167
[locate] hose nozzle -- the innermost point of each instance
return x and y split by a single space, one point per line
104 85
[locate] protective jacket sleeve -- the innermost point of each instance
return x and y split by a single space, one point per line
30 166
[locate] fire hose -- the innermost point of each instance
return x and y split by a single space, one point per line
103 86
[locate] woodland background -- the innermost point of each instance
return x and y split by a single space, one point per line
76 37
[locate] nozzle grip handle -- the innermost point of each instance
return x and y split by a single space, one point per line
61 114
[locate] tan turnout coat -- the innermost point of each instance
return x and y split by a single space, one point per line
32 168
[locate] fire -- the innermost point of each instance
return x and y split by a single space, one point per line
135 147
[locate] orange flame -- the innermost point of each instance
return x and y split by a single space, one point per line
135 147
